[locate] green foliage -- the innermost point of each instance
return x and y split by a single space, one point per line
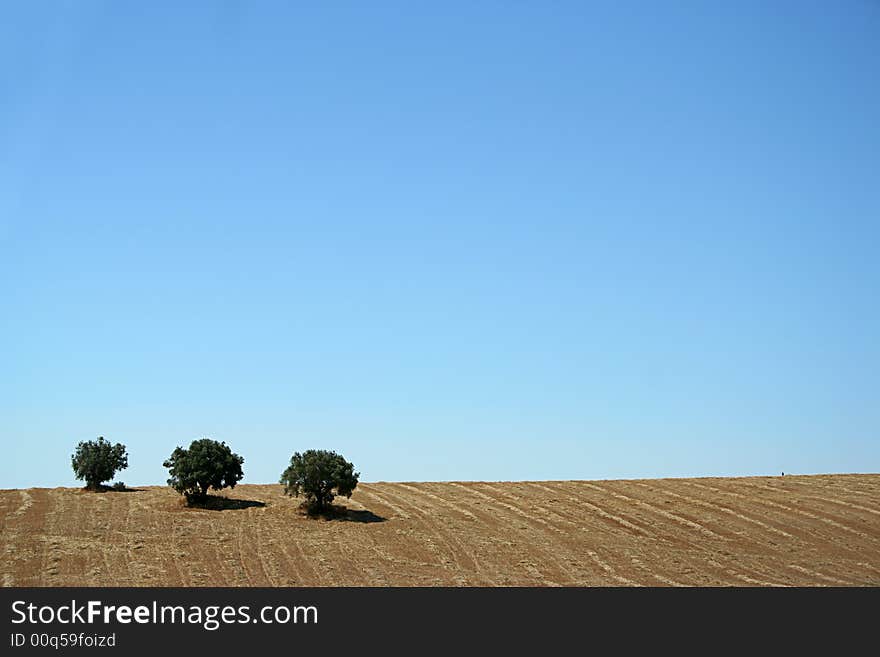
319 476
96 461
206 464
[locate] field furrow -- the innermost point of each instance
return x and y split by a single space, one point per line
819 530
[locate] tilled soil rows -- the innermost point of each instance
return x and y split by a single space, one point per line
821 530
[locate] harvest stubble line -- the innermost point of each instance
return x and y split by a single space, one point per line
804 531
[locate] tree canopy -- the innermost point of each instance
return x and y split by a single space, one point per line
97 461
319 475
206 464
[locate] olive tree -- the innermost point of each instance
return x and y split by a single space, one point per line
319 475
97 461
205 464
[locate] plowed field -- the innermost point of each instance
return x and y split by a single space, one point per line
799 530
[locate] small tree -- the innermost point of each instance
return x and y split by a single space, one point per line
97 461
316 474
206 464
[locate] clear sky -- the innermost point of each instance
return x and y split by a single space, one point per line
475 240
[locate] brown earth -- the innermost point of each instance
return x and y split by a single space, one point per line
801 530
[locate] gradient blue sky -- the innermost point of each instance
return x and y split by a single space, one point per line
493 240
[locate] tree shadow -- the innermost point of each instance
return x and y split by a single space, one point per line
217 503
342 513
116 488
363 515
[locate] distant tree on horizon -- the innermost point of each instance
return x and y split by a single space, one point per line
204 465
97 461
319 475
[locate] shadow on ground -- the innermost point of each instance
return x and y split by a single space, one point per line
217 503
362 516
116 488
344 514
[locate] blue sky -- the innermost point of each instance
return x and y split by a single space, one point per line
495 240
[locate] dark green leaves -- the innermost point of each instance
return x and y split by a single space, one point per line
97 461
206 464
319 475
